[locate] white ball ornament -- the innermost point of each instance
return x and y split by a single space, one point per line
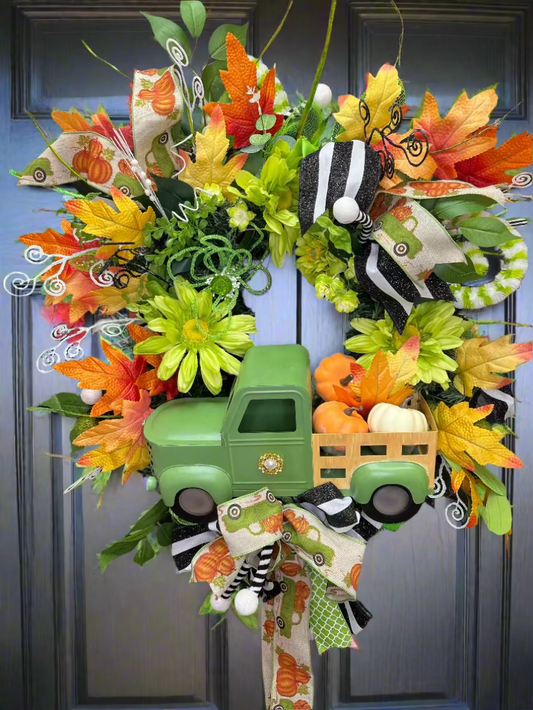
220 604
346 210
246 602
323 96
91 396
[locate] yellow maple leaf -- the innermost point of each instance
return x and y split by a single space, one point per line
211 149
403 365
463 443
478 359
382 92
112 300
468 482
122 227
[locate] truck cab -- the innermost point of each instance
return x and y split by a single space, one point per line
205 452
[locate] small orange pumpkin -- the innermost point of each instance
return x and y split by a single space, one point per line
334 370
226 566
219 548
274 524
337 418
298 522
302 677
269 627
355 575
286 682
206 567
290 569
285 660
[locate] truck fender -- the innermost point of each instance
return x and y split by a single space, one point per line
371 476
212 479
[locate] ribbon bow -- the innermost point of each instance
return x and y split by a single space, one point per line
315 569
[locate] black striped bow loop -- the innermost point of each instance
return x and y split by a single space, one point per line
188 539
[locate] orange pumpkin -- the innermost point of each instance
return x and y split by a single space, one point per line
80 162
219 548
206 567
269 627
298 522
286 682
226 566
337 418
302 677
355 575
302 705
285 660
274 524
291 569
334 370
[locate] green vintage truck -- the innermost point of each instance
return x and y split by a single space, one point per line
207 451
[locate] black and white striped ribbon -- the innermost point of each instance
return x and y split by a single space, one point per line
351 169
260 574
502 401
329 505
368 227
356 615
387 282
188 539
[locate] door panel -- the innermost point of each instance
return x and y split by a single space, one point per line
452 620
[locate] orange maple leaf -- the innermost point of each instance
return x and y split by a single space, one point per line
384 382
149 379
241 84
74 122
490 168
121 441
118 378
52 242
455 138
79 295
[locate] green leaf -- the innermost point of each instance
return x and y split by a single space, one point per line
172 193
217 41
458 273
145 552
151 517
250 622
486 231
81 425
497 514
490 480
265 122
451 207
260 138
340 238
214 88
193 15
164 534
251 148
164 30
67 404
114 551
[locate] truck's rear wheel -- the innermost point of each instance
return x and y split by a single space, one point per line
195 505
391 504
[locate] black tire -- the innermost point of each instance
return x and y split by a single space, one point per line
284 587
401 249
39 175
319 559
410 509
280 622
184 508
270 497
286 537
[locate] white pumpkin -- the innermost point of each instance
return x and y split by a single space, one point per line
390 418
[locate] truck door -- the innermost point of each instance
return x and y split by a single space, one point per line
271 423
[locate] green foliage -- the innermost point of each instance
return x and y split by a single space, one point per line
67 404
164 30
497 514
193 14
490 480
457 273
217 41
81 425
486 231
214 88
451 207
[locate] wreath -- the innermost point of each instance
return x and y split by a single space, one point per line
169 221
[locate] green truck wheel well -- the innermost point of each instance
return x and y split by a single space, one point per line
368 478
212 479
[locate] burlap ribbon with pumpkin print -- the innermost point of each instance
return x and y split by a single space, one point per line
309 559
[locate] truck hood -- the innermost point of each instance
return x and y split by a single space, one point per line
187 422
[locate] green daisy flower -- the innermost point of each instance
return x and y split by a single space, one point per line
433 322
193 330
333 289
315 257
240 216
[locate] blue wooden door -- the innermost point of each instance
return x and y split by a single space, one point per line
453 625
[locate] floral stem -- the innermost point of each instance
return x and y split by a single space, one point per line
502 322
320 69
280 27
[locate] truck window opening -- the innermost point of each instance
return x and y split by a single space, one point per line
374 450
326 473
269 416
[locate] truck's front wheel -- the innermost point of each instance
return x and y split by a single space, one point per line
195 506
391 504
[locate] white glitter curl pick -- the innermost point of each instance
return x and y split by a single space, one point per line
439 488
71 338
20 284
457 514
181 60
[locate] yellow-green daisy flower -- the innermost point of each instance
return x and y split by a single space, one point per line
192 330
